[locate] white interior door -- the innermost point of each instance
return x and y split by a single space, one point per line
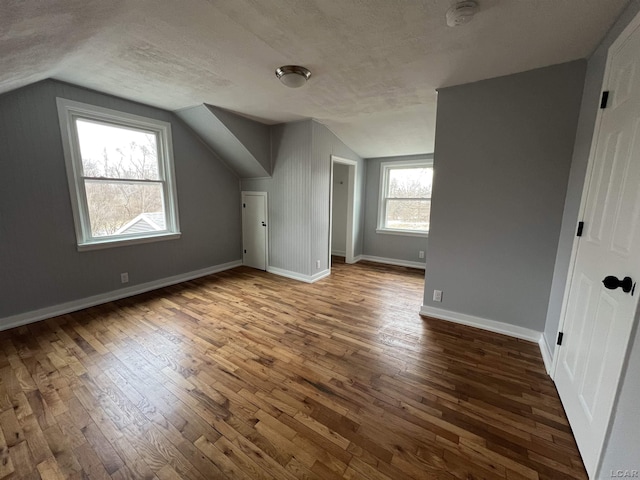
598 320
254 229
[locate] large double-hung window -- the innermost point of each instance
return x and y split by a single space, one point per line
121 176
405 197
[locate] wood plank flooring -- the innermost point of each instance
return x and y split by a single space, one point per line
246 375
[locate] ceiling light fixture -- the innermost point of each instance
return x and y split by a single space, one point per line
461 12
293 76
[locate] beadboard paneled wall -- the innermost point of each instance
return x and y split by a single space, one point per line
299 195
288 197
325 144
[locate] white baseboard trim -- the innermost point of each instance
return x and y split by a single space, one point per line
75 305
320 275
339 253
483 323
391 261
547 358
299 276
356 259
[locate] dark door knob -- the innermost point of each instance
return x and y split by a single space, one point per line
264 224
612 283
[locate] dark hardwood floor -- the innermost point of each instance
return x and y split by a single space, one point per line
246 375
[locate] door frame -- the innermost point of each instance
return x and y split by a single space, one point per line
351 205
624 35
244 194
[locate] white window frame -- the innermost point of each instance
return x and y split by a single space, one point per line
68 112
385 168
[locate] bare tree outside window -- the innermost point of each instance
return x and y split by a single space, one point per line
121 175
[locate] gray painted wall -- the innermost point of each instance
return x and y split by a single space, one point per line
242 143
339 209
253 135
502 156
41 266
398 247
622 448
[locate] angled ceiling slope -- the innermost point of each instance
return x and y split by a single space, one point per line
243 144
376 64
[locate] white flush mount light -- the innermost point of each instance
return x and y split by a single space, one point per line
293 76
461 12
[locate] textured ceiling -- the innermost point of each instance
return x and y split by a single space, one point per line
375 63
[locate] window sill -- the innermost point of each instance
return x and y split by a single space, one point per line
406 233
123 242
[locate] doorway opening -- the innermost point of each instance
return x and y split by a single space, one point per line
342 208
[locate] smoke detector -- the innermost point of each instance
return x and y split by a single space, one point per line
461 12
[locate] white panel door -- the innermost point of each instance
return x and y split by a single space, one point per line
598 320
254 229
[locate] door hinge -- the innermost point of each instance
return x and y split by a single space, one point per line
580 228
245 251
244 205
605 99
560 335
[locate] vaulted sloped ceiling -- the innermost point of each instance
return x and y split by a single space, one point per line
243 144
376 64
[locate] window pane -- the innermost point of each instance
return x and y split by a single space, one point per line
408 214
117 152
410 182
123 209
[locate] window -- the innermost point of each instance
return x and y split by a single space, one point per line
405 197
120 171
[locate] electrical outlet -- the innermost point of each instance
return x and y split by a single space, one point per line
317 263
421 254
124 277
437 295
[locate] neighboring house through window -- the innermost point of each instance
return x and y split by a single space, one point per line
121 177
405 197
